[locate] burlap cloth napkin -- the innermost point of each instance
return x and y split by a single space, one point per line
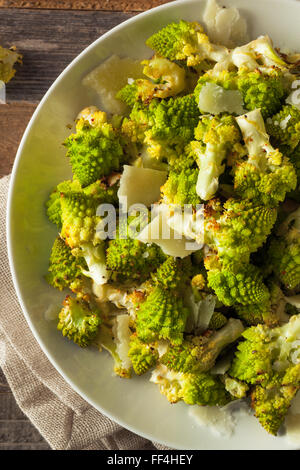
63 418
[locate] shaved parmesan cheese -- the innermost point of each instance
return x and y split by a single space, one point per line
254 133
225 25
122 335
171 243
52 312
95 259
214 99
109 77
284 122
219 420
87 114
141 185
201 312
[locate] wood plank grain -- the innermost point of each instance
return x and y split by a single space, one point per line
112 5
14 119
49 40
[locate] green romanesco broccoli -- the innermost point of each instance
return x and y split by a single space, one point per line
217 137
143 356
94 150
237 283
82 230
180 188
79 218
172 127
238 228
163 315
270 312
266 176
185 41
79 320
65 270
53 207
284 127
261 91
129 259
194 389
271 404
284 251
257 90
8 58
99 189
199 353
268 359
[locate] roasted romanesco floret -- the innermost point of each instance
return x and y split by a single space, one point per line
237 283
284 127
180 187
94 150
163 314
271 312
79 320
267 175
261 91
65 270
185 41
284 252
128 258
238 228
216 140
199 353
143 356
269 360
194 389
53 206
172 126
166 79
79 219
100 190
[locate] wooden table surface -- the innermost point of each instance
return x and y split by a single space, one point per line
49 34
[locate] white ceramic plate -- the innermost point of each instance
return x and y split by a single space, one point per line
40 164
